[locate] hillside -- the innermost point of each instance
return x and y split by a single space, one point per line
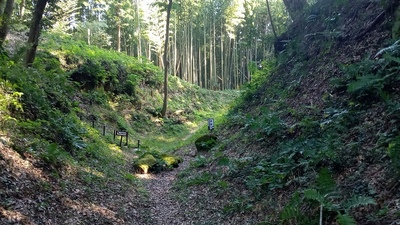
315 140
60 162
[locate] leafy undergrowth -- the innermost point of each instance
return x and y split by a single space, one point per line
61 161
318 142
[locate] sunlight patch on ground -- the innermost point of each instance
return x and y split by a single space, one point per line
113 105
89 209
146 176
13 216
191 125
115 148
93 172
166 139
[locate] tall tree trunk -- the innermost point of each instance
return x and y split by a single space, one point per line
295 7
270 19
175 52
199 66
214 57
34 31
210 79
5 20
222 57
205 55
138 28
164 109
2 3
88 36
119 37
22 9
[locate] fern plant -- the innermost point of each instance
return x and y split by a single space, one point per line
374 79
328 199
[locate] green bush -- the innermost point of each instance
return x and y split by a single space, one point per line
93 67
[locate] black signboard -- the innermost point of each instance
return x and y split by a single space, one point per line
122 134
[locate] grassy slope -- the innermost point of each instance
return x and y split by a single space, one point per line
55 167
313 134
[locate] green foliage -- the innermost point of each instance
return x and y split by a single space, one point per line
374 79
259 76
393 151
396 25
238 205
345 219
329 200
93 67
268 123
198 179
325 182
98 96
54 155
292 213
9 99
199 161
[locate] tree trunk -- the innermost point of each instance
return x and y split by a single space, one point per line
138 29
2 2
295 7
22 9
5 20
164 109
34 31
205 82
119 37
270 19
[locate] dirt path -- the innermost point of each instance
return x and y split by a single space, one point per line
164 209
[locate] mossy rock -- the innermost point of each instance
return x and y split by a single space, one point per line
145 163
156 162
171 160
206 142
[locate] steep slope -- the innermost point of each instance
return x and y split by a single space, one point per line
318 141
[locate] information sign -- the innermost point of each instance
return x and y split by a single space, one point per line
211 124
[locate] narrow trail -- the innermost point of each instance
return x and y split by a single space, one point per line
164 209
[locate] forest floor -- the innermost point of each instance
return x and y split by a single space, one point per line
164 207
151 201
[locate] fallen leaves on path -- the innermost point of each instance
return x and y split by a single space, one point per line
164 208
